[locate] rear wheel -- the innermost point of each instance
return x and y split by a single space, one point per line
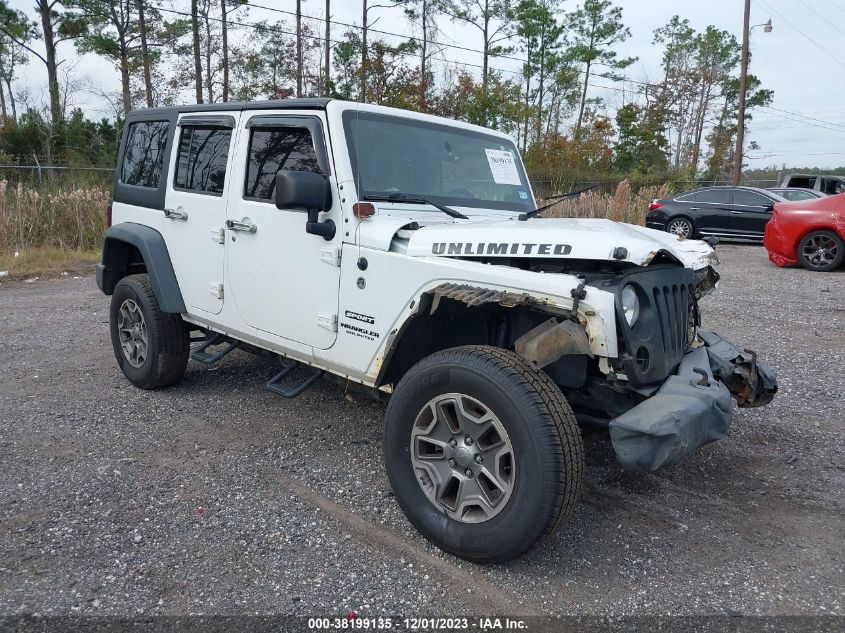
821 251
682 227
483 452
151 346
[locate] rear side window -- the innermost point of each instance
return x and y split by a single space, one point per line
201 163
716 196
144 154
749 198
272 149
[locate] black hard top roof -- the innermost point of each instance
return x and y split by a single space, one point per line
311 103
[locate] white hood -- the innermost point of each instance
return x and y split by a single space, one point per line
565 238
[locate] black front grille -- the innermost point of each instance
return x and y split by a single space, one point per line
653 347
672 305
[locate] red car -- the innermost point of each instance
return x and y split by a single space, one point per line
808 232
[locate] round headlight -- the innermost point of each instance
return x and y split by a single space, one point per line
630 304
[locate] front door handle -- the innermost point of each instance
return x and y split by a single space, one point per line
736 212
174 214
234 225
693 208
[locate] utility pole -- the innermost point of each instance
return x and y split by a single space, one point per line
299 48
327 78
743 86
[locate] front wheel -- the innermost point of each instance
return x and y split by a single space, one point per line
821 251
483 452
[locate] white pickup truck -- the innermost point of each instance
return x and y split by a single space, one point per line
402 252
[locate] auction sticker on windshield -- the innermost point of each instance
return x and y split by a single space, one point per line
503 167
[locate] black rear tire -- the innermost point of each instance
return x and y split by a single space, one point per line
167 346
821 251
681 226
547 449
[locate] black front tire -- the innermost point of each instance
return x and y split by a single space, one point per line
546 440
167 345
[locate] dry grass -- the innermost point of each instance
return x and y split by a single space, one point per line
61 219
624 205
46 262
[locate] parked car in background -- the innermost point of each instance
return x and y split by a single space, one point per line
797 193
738 212
808 232
827 184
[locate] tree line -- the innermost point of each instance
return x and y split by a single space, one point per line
543 65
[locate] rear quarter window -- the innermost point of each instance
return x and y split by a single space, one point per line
143 156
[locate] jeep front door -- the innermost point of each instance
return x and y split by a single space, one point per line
283 280
195 206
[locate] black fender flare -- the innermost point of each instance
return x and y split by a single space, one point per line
153 250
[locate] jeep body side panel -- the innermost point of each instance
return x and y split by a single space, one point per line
153 249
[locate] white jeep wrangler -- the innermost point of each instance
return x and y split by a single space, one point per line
400 251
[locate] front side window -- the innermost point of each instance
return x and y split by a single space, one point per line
449 164
143 156
272 149
201 163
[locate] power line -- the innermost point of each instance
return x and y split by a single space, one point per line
803 116
804 122
836 5
827 21
822 48
436 43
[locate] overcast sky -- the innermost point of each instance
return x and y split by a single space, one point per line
802 60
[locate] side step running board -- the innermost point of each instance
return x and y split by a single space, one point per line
275 384
200 354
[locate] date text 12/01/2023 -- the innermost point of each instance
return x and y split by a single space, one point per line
353 621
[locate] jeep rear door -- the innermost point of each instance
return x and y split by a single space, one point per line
195 205
283 280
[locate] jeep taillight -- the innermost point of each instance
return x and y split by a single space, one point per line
108 216
654 205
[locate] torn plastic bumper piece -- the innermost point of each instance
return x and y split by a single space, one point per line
752 383
693 407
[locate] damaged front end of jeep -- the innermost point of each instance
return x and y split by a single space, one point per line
668 388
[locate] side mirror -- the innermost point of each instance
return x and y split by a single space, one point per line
309 191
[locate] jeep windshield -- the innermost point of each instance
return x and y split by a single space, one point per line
446 164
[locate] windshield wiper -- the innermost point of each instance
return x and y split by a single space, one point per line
555 200
413 198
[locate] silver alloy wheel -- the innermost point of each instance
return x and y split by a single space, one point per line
132 330
463 458
819 251
680 227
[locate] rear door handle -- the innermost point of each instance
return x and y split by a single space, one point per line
173 214
693 208
234 225
737 212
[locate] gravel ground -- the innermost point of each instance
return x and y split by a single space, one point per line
217 497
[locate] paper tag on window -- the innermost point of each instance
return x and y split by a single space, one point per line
503 167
